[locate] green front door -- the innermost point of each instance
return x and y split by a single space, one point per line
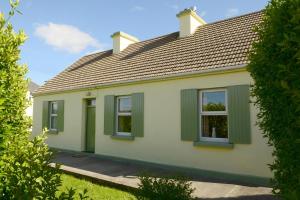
90 125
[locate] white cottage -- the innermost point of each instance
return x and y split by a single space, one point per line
179 100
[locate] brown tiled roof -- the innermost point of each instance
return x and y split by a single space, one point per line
213 46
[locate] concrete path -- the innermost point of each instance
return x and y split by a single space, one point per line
124 174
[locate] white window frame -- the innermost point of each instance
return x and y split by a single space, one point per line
122 114
52 115
213 113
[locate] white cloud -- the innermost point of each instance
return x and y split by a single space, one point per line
137 8
66 37
232 12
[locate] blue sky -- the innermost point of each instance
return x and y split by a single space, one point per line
61 31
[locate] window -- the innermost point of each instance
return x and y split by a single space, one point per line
123 115
91 102
213 115
53 115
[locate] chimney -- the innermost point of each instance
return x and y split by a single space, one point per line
121 41
189 21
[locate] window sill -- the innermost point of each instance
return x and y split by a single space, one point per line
213 144
123 137
52 132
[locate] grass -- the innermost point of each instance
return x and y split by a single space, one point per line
95 191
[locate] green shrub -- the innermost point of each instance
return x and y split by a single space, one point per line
25 171
70 194
275 68
13 82
173 188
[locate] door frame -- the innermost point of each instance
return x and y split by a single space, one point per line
86 106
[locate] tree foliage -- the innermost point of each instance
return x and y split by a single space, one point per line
275 68
25 171
161 188
13 84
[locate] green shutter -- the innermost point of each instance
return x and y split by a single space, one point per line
189 114
137 114
60 115
239 114
45 119
109 115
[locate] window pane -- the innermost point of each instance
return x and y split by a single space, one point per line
53 108
214 126
91 102
124 124
213 101
125 104
53 124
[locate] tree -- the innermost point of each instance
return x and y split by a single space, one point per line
275 68
25 171
24 164
13 84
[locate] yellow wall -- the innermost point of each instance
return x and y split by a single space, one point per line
161 142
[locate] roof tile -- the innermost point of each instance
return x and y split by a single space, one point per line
216 45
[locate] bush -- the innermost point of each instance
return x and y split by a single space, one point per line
70 194
275 68
173 188
25 171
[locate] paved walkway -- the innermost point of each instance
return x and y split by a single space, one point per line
124 174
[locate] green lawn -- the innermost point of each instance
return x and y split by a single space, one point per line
95 191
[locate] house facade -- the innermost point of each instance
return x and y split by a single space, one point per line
179 100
